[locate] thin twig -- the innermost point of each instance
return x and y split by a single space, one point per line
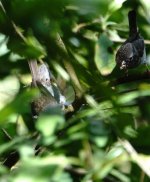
7 134
77 171
2 7
134 156
70 69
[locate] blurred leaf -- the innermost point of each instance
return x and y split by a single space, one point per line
103 58
43 170
48 124
3 170
7 92
29 48
19 105
115 5
26 151
3 42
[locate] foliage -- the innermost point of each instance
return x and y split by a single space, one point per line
106 138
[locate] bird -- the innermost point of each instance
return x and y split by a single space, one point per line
132 52
49 93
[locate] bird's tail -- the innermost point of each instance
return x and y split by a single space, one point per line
133 30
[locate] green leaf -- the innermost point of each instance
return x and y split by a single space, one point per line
104 59
20 104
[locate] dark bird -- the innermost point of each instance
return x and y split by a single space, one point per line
132 51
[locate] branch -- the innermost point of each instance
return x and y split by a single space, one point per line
135 156
131 78
121 40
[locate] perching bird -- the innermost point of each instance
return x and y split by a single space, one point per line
50 95
132 51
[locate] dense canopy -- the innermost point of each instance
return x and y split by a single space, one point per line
104 135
